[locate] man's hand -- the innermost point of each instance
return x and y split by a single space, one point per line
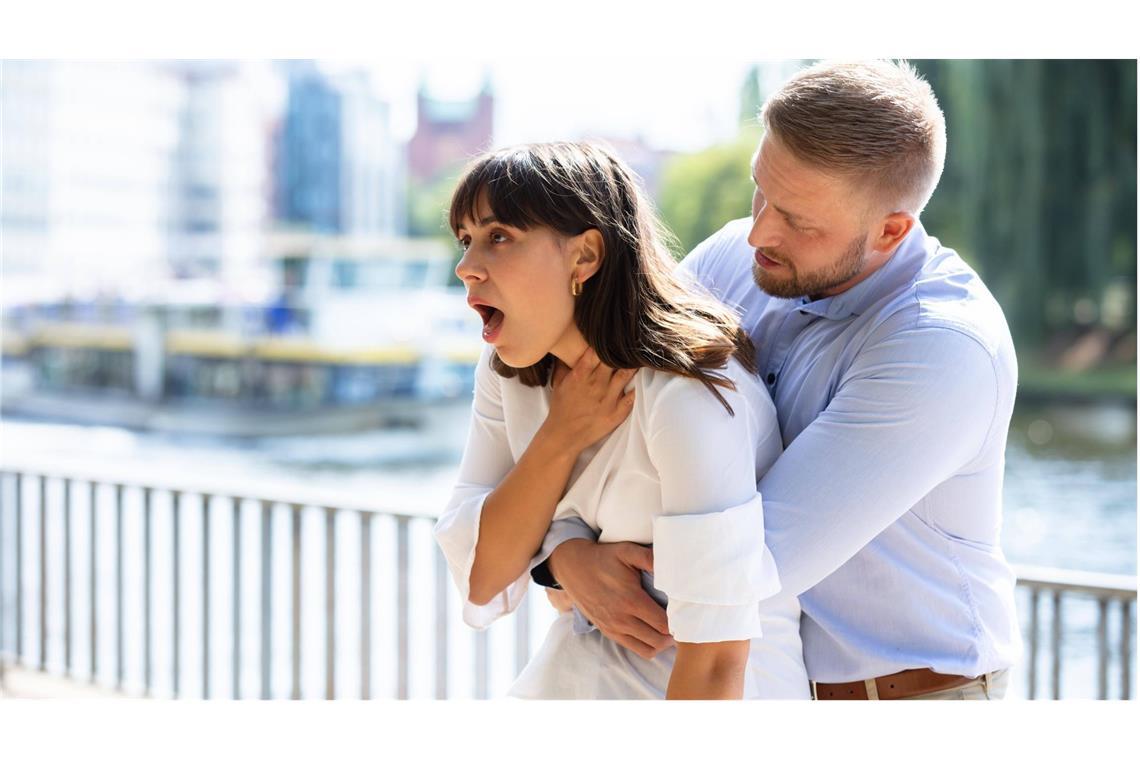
604 582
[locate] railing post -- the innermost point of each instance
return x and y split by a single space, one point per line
402 644
441 583
236 652
330 603
93 632
296 611
1034 637
176 611
148 536
205 596
522 634
3 596
365 605
1126 649
19 568
482 664
1057 635
266 601
119 669
1102 648
67 576
43 573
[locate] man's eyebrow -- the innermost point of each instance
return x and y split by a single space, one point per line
790 214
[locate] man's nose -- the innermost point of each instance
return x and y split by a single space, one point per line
763 232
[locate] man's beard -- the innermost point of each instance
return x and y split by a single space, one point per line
849 264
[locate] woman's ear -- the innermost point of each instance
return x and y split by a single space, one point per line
589 252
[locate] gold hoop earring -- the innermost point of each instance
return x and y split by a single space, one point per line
575 287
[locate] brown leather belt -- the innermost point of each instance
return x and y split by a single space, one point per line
907 683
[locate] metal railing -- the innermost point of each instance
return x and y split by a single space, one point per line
25 494
1060 585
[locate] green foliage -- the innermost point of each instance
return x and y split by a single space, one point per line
700 192
1039 189
427 206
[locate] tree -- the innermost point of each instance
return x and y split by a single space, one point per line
700 192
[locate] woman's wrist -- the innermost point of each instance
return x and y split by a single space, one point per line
554 443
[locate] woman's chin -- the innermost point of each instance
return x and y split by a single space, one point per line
517 359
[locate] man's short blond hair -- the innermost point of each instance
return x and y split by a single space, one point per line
874 122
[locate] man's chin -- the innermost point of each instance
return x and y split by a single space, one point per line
774 286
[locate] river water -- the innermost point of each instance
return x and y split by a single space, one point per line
1070 502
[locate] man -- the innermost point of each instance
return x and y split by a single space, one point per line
893 374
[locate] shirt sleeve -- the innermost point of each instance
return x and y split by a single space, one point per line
914 408
486 461
709 555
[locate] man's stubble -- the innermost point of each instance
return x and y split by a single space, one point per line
850 264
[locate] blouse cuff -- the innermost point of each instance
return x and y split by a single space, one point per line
457 533
715 569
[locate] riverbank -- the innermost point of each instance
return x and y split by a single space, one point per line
1110 383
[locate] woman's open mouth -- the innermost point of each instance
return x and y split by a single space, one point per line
492 321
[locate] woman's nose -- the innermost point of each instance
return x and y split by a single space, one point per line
468 269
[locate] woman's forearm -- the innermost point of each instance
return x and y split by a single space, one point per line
517 514
713 670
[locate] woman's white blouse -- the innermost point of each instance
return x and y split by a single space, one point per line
680 473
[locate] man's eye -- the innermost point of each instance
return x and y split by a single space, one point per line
464 243
498 237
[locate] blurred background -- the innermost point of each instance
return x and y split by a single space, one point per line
237 364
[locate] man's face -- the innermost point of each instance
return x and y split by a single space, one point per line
808 231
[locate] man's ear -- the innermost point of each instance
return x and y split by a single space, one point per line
589 250
891 231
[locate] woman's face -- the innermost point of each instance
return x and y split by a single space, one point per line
519 282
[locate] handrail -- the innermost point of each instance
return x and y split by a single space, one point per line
27 515
1077 581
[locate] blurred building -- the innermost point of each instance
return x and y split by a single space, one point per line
86 182
337 167
449 133
647 162
221 175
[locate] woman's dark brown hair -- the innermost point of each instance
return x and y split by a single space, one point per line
635 311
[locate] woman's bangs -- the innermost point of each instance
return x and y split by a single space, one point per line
507 189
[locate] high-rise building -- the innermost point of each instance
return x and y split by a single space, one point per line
337 167
221 176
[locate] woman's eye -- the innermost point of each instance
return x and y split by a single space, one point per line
464 243
498 237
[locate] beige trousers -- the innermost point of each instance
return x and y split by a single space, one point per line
987 686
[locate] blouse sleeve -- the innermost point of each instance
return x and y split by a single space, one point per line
709 555
486 461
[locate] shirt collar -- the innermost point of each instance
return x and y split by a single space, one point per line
899 270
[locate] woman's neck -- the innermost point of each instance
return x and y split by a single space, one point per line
570 348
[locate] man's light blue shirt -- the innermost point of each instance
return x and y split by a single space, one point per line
884 512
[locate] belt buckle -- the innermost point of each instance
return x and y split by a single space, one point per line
814 691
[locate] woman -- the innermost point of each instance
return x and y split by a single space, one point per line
612 394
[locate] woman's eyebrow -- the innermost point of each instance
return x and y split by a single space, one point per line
482 222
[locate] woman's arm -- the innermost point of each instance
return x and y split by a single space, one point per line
710 670
709 553
587 403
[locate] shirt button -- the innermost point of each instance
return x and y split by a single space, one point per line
771 377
